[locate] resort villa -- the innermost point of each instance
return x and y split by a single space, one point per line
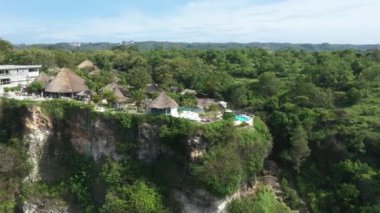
163 104
87 65
65 84
152 89
121 94
43 79
17 75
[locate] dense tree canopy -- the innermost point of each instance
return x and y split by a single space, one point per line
322 109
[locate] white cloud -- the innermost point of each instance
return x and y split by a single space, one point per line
299 21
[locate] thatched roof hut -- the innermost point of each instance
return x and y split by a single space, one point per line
87 65
163 102
205 103
66 82
188 91
121 93
43 78
153 88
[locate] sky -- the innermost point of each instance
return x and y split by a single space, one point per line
295 21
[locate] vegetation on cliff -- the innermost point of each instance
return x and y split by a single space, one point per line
263 200
233 156
322 110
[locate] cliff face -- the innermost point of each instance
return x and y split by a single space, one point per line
38 130
155 143
95 138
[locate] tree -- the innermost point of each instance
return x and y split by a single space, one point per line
64 59
347 196
139 77
238 95
5 46
221 170
138 96
138 197
330 72
34 56
353 96
35 87
269 84
104 59
299 150
371 73
109 96
5 49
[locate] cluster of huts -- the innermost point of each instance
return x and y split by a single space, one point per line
67 83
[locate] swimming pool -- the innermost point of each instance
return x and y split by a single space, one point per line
242 118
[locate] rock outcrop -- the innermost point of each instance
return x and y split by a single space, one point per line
45 206
95 138
199 201
196 146
148 142
37 132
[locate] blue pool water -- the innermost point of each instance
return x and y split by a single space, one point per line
241 118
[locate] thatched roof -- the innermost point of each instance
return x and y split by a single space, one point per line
95 72
54 70
205 103
188 91
163 102
85 93
87 65
120 92
153 88
66 81
43 78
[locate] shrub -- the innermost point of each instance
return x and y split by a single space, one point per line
221 171
263 200
35 87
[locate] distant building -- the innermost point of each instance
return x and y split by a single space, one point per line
15 75
126 43
75 44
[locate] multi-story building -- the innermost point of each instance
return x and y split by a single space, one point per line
15 75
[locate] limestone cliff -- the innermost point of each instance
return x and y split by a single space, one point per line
37 133
155 143
95 138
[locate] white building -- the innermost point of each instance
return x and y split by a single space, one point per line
14 75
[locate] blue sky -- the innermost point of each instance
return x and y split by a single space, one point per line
297 21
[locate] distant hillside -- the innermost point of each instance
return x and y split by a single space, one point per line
149 45
72 46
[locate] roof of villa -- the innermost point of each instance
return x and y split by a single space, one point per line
153 88
66 81
119 91
205 102
43 78
163 102
87 64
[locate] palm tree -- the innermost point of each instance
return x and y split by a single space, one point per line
139 96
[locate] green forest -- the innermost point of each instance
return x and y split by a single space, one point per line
322 110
